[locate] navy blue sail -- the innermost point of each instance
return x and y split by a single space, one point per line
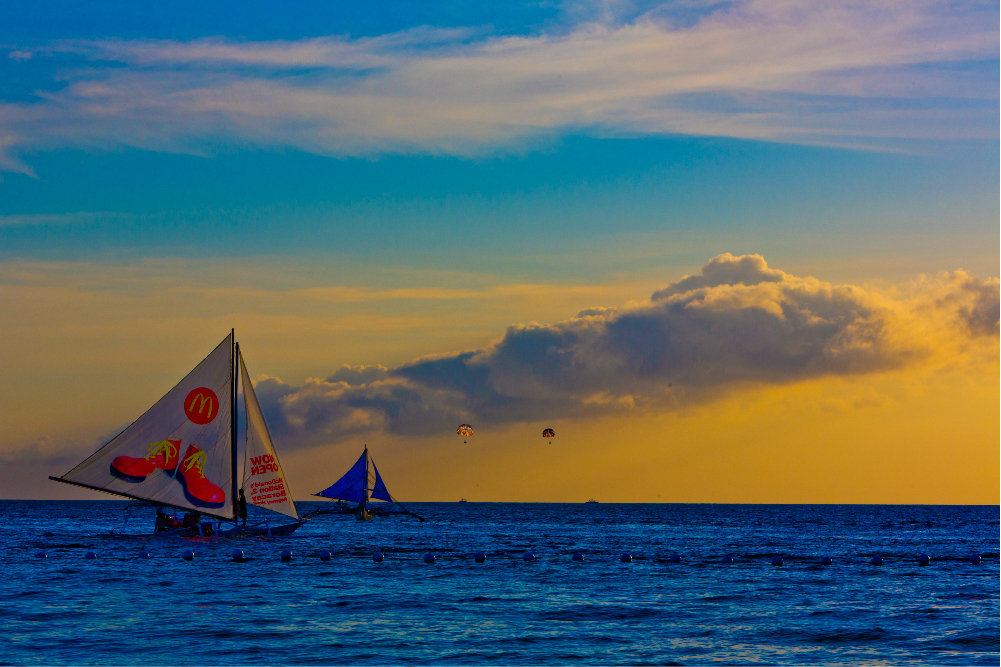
354 493
351 486
380 492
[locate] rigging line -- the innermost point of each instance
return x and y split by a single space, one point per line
128 515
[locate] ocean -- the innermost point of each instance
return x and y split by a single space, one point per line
120 609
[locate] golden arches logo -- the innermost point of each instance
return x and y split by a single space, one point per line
201 406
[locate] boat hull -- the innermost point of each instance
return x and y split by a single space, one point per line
263 531
209 530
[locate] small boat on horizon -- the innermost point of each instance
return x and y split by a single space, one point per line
590 500
181 454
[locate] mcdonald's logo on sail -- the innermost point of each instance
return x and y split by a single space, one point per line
201 406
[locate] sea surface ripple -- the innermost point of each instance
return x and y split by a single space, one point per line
120 609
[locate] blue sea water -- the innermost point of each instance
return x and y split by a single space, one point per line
120 609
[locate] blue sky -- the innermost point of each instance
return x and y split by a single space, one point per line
86 204
242 129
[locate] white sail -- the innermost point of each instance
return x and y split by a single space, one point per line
263 479
179 452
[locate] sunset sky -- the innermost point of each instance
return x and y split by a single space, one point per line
730 252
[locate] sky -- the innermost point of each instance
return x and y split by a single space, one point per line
735 251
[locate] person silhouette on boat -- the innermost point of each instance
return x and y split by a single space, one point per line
241 506
191 519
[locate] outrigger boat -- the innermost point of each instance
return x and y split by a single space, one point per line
182 454
356 492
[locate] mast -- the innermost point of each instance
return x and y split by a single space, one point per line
364 484
233 370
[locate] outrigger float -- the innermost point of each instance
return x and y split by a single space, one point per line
182 454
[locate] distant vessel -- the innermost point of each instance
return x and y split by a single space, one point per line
356 491
182 454
463 500
591 500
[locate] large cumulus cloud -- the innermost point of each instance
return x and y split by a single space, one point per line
737 323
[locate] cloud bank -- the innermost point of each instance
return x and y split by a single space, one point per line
736 324
848 73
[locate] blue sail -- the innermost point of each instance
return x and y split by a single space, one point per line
350 486
380 492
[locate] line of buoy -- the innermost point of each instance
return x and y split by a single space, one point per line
528 556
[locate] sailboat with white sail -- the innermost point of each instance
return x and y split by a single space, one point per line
362 493
182 454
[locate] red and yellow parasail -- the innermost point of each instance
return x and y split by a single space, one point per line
465 430
549 433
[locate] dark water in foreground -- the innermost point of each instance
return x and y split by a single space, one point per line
122 610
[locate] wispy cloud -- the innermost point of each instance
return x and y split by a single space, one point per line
856 73
736 324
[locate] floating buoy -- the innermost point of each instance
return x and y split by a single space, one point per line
480 557
238 555
827 560
675 558
41 554
876 560
626 558
924 559
727 559
188 554
144 554
377 557
90 555
429 558
324 555
975 559
286 554
777 561
528 556
578 556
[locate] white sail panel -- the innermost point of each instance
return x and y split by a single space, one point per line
180 451
263 478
